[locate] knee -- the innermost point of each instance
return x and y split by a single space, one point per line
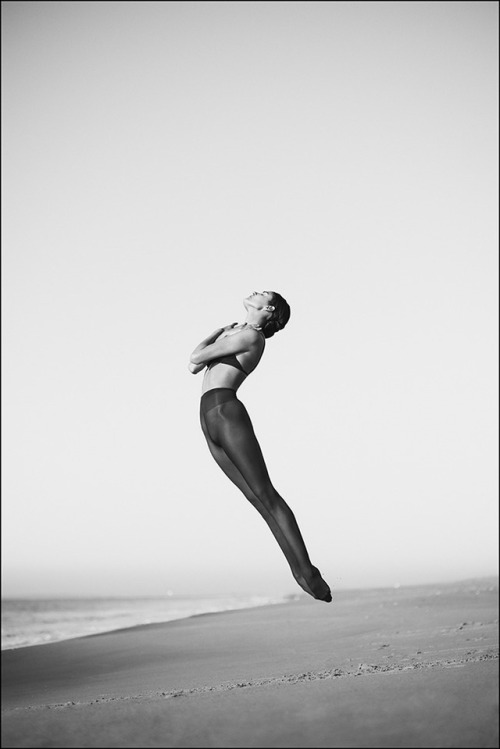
252 498
269 497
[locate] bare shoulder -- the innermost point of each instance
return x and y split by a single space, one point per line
254 337
249 335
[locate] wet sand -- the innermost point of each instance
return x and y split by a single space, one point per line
406 667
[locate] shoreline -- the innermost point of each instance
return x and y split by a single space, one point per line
76 626
285 599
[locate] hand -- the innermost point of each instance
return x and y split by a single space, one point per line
229 327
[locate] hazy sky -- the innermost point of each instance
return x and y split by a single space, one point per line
161 160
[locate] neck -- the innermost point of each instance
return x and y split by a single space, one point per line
254 319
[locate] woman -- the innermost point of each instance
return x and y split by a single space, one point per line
230 354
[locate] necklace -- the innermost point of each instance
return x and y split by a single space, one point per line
251 325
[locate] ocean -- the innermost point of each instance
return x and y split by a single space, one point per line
28 622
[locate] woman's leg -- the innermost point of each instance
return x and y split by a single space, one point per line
234 446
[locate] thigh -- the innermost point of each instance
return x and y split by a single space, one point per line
236 436
224 462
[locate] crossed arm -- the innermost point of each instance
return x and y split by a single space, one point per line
211 348
195 368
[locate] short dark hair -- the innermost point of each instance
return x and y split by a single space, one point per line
279 317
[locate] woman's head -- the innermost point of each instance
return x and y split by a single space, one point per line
274 311
279 316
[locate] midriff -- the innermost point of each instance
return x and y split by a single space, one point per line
221 375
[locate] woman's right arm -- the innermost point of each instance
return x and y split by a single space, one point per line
195 368
245 340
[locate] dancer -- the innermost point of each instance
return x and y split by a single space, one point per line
229 355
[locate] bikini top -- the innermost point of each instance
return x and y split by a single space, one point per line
231 360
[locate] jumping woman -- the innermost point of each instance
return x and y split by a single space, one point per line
229 355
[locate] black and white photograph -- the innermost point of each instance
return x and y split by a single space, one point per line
250 346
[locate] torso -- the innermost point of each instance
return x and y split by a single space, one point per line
222 375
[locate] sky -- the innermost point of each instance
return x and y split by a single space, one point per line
161 161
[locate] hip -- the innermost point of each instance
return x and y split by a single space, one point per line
216 397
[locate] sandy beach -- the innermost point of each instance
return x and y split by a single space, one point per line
404 667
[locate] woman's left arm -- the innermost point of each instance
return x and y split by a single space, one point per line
239 343
196 366
209 340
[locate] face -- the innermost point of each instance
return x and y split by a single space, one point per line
259 299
